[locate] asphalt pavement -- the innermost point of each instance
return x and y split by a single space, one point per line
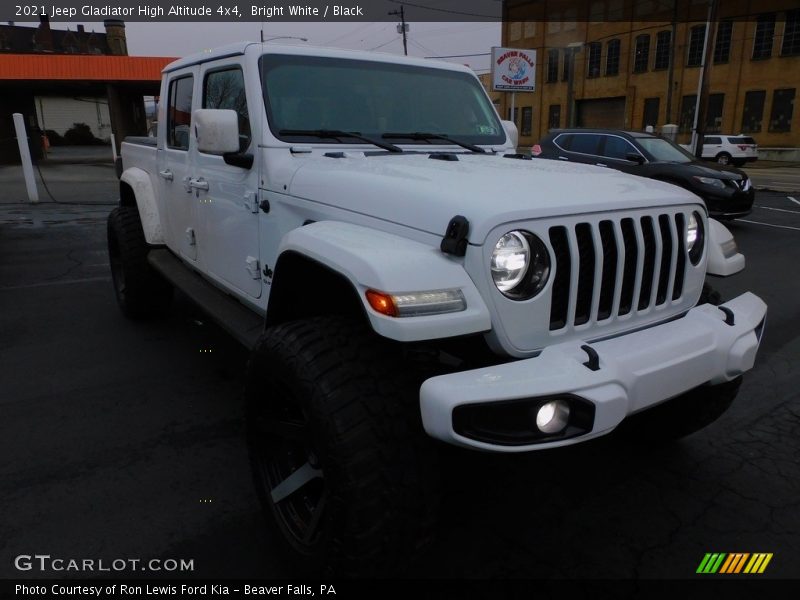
126 440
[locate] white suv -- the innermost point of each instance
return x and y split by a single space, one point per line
730 149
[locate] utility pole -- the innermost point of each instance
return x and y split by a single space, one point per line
702 97
402 27
671 71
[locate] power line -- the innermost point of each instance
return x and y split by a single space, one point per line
445 10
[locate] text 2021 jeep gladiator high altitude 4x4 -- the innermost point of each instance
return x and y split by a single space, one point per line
362 223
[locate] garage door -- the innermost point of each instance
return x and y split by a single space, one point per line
602 113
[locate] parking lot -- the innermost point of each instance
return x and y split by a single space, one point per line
126 440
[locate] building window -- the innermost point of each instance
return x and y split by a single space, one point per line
514 31
791 34
780 119
641 53
597 11
687 113
697 37
612 58
513 118
663 39
722 47
527 120
714 113
753 111
765 32
554 116
595 48
552 66
650 116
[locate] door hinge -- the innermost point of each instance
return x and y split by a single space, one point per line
251 202
253 267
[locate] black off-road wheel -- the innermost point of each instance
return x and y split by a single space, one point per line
141 292
345 473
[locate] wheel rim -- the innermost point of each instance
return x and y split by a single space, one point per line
723 160
288 470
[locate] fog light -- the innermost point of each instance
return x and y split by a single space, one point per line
552 417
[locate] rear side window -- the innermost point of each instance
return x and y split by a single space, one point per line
225 89
585 143
741 140
616 147
713 140
179 117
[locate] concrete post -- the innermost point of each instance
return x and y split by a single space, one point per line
25 155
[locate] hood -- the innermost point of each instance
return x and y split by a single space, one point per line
424 193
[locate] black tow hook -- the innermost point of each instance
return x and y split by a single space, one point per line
728 315
593 364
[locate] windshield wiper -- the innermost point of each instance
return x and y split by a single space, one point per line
335 134
421 136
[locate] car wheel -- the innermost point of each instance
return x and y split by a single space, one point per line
341 464
141 292
723 158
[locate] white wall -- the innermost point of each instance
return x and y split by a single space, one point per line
60 114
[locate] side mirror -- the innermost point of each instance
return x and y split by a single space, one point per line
217 130
634 157
511 132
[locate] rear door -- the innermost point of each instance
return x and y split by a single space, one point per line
174 157
229 205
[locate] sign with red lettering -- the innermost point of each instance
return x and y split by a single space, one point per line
513 69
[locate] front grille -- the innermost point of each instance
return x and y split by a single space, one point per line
610 268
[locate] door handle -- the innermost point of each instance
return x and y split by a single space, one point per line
198 184
166 174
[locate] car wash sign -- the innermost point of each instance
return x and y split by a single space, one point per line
513 69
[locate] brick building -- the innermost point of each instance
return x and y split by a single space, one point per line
637 63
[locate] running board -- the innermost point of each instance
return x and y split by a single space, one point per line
230 314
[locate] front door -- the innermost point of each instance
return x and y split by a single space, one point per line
229 207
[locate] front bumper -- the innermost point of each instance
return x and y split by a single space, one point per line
637 371
729 204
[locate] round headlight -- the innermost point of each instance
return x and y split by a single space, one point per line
695 237
520 265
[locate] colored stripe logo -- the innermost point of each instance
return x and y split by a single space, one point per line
734 563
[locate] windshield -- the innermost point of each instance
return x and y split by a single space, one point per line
665 150
373 98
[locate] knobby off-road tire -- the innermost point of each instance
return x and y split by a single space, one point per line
689 412
141 292
342 466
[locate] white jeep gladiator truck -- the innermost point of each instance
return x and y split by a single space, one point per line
363 223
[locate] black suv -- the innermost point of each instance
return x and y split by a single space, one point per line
727 191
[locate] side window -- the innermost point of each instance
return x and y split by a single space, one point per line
564 141
179 117
585 143
616 147
225 89
713 140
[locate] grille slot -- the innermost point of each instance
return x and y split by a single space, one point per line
607 269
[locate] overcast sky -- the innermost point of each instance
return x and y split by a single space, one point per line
424 39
